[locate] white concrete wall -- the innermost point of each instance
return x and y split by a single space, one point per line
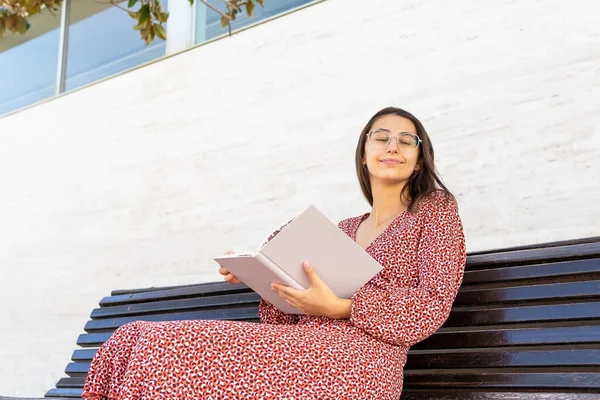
139 180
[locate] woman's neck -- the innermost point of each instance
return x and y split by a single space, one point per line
387 203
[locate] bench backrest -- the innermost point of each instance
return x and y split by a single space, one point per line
526 323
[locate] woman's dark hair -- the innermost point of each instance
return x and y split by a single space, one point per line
422 182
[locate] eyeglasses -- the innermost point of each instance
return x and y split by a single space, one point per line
380 139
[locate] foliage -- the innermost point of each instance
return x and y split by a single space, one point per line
149 17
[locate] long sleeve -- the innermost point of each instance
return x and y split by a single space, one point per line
268 313
407 315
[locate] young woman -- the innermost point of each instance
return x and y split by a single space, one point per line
341 348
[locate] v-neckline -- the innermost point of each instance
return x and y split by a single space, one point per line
365 216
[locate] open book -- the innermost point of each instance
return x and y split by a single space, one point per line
338 260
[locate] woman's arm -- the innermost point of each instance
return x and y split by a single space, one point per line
405 316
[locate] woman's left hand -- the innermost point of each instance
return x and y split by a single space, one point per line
316 300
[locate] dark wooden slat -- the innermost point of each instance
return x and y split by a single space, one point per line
467 316
93 339
67 393
118 292
561 253
569 268
471 394
76 382
552 291
511 336
504 357
558 243
27 398
205 289
220 301
481 378
83 355
77 369
231 314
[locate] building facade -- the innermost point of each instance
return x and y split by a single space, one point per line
127 166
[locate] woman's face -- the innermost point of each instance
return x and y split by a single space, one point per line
394 163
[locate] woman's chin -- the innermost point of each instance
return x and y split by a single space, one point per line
388 179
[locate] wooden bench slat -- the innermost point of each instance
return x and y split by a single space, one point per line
64 392
552 291
93 339
77 369
505 357
553 254
466 316
569 268
206 289
231 314
249 298
481 377
83 355
512 336
76 382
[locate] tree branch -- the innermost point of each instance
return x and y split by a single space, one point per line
111 2
215 9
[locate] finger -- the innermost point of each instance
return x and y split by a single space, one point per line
312 274
223 271
293 304
288 291
291 300
231 278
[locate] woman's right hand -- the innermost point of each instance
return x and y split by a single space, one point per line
228 276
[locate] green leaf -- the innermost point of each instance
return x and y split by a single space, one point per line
262 4
151 29
191 2
144 13
140 26
164 17
133 15
160 31
224 21
250 8
131 3
21 27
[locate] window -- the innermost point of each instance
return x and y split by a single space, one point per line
29 62
208 22
102 42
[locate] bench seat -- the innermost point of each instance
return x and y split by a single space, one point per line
525 325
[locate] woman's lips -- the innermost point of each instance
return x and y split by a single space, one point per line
389 161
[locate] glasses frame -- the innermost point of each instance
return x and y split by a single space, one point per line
370 135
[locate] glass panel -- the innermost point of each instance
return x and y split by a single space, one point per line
102 42
208 22
28 63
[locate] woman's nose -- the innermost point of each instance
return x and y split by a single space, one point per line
394 144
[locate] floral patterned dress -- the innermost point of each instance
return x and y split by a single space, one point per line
302 356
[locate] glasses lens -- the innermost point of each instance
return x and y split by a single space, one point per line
380 138
406 141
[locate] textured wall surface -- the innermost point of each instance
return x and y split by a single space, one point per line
139 180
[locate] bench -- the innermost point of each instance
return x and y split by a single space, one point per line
525 325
